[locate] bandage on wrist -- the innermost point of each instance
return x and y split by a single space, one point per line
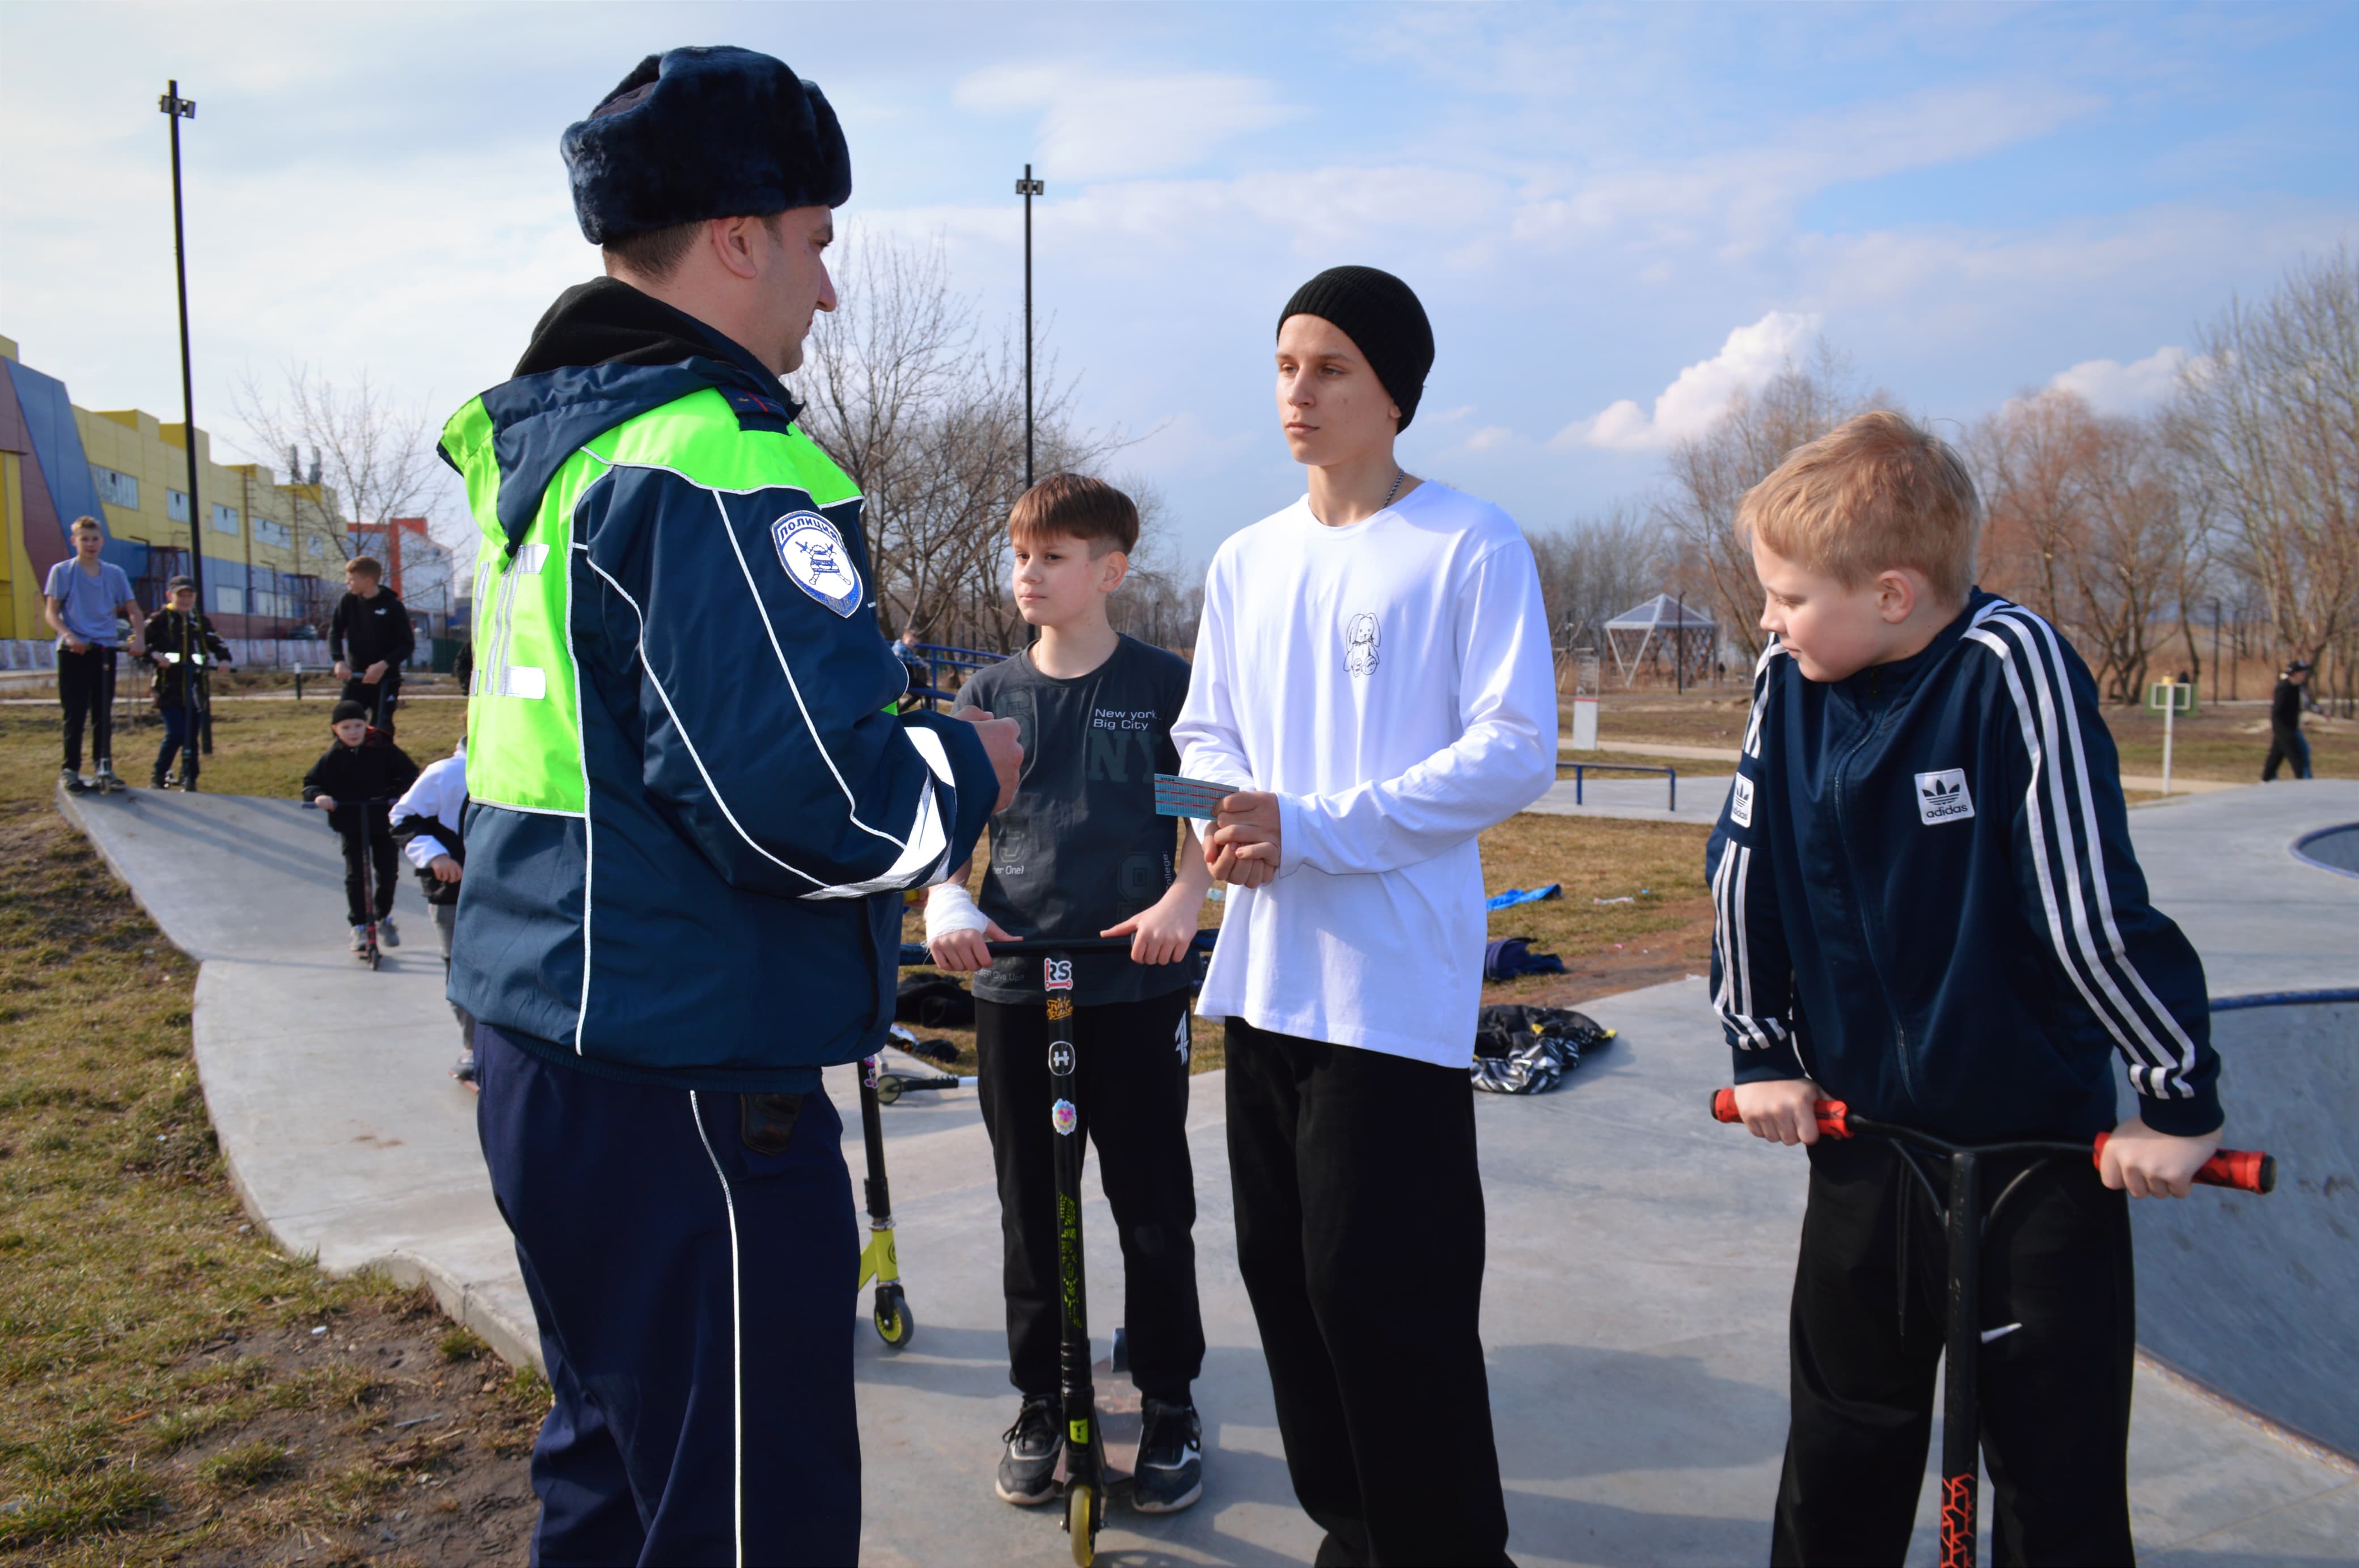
950 907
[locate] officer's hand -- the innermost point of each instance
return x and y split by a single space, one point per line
1001 745
445 869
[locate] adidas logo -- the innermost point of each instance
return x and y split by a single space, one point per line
1943 797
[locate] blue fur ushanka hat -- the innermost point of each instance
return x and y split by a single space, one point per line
704 132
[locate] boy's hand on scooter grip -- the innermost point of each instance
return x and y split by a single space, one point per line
2150 1164
963 950
1783 1110
1001 745
324 802
1159 934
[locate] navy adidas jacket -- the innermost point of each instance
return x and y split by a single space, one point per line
1927 902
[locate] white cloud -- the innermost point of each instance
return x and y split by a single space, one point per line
1094 125
2112 388
1698 394
1489 438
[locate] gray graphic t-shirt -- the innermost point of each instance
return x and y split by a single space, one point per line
1081 847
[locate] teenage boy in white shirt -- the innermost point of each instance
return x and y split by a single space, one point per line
1373 678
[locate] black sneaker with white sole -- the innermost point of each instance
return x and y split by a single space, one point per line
1027 1470
1170 1459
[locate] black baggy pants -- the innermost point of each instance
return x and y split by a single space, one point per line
380 699
1359 1209
384 859
1867 1330
2286 746
1131 1088
86 691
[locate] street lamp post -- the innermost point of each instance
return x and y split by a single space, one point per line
176 108
1028 188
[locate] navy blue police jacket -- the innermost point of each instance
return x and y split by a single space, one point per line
1926 900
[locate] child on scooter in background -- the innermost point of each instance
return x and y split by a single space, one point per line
1929 909
183 646
357 783
1081 853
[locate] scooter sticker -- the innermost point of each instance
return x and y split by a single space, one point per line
1060 1059
1058 972
1066 1117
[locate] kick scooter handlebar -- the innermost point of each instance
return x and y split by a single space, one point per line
2246 1170
1020 948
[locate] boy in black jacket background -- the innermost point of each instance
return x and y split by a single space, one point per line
184 651
1929 909
369 637
356 784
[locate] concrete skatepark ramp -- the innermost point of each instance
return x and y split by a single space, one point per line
1639 1255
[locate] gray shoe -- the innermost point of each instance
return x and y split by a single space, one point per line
1170 1459
1027 1470
360 938
387 932
72 781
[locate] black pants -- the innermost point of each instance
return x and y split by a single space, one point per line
86 691
2286 746
181 735
2055 1393
383 860
1131 1088
359 691
1359 1209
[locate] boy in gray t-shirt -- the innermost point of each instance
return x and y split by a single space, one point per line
1081 853
81 599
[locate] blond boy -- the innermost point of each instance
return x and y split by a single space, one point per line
1929 909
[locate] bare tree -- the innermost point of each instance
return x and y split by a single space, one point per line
372 459
1709 473
2267 416
2037 458
928 420
1594 568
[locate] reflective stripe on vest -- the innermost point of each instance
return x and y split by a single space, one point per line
524 717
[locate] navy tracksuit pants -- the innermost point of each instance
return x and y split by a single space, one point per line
692 1258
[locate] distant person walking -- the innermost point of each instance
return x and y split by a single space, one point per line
82 601
2287 743
369 638
183 646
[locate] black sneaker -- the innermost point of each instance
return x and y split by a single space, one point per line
1027 1471
73 782
159 781
188 785
1170 1459
465 1070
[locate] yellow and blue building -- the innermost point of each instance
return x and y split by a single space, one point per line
271 565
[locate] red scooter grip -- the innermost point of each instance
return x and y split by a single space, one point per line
1834 1116
2246 1170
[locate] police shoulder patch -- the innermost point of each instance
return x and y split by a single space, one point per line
815 555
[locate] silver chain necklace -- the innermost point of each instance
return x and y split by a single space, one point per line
1398 474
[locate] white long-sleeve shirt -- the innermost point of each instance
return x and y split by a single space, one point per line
440 793
1391 682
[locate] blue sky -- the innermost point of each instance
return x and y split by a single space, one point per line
1614 216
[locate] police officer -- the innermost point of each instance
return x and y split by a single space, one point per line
693 817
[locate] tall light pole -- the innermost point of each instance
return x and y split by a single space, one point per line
176 108
1028 188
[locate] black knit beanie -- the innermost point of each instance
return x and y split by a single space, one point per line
1381 316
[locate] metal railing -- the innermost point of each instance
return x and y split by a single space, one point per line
1578 769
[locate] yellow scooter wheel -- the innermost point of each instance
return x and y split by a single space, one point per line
1080 1523
896 1324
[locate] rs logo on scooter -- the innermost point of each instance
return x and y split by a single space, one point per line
1060 1059
1060 974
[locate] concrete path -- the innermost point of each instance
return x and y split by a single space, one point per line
1636 798
1634 1298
